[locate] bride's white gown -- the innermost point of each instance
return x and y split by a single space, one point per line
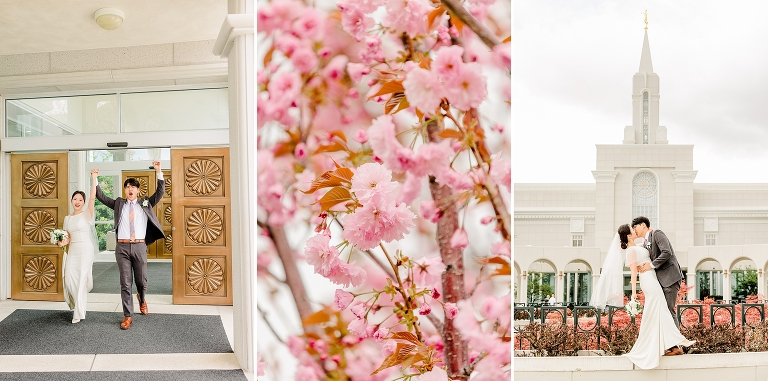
658 331
78 268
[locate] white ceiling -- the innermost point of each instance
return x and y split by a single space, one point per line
36 26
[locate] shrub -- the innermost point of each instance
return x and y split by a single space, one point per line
718 338
553 339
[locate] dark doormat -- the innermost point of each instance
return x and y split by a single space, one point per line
43 332
106 278
138 375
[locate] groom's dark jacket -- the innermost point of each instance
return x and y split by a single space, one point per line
154 230
663 259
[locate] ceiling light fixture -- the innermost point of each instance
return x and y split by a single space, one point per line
109 18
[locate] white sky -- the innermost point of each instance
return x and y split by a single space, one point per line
573 66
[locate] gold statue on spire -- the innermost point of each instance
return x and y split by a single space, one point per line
645 18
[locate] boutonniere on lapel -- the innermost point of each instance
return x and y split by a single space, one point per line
648 245
146 202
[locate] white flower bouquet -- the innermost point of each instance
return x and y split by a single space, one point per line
633 307
58 235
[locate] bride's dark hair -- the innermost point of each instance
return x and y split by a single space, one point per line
624 233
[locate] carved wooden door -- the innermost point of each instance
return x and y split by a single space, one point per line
39 203
202 242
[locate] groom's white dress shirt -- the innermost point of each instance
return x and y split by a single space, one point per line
139 219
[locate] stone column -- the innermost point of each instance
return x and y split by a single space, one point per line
605 201
760 282
726 285
236 42
522 292
690 281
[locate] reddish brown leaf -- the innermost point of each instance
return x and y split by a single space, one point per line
402 353
334 196
318 317
504 270
403 105
437 12
393 102
508 39
456 22
268 56
494 261
451 134
325 180
333 147
340 134
344 173
390 87
419 114
407 336
284 148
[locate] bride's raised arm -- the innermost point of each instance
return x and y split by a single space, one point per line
632 264
92 198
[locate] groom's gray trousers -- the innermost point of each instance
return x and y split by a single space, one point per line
132 263
670 294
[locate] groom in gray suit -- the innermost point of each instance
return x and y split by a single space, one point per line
664 261
136 226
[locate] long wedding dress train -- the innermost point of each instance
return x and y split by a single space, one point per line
658 331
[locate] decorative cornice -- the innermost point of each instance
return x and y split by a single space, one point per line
605 176
684 176
234 25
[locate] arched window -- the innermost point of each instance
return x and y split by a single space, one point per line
645 117
645 197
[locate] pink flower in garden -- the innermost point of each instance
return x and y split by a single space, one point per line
372 179
261 366
410 189
457 181
436 374
284 87
377 220
429 211
498 127
342 299
467 90
381 334
365 6
451 310
304 60
310 25
321 254
357 71
443 35
424 309
427 270
459 240
493 308
423 90
359 309
355 23
301 151
502 55
361 136
435 294
407 16
288 44
359 327
502 249
449 63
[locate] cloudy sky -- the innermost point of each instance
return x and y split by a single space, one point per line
573 67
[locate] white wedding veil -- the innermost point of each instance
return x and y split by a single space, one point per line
610 287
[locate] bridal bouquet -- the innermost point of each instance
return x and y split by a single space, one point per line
58 235
633 307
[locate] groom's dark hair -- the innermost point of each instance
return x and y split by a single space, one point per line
131 181
641 220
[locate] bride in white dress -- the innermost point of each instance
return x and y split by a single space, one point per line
658 331
78 260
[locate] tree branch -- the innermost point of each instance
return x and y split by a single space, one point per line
292 276
455 352
271 328
478 27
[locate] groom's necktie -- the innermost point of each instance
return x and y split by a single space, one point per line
130 219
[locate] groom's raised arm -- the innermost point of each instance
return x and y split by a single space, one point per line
665 248
110 203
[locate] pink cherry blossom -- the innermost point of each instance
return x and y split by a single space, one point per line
278 15
468 89
361 136
359 327
359 309
372 53
347 274
388 348
429 211
443 35
424 309
436 374
376 221
301 151
381 334
493 308
501 171
365 6
261 366
288 44
370 180
334 70
407 16
501 249
487 220
356 23
435 293
342 299
295 346
427 270
306 373
502 54
321 255
459 240
310 25
357 71
451 310
284 87
449 63
410 189
433 158
423 90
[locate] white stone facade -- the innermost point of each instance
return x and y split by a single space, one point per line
567 228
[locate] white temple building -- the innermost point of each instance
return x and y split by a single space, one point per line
719 231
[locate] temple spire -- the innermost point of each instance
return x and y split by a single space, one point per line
645 58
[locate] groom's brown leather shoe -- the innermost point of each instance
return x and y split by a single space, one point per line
674 351
142 306
126 322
